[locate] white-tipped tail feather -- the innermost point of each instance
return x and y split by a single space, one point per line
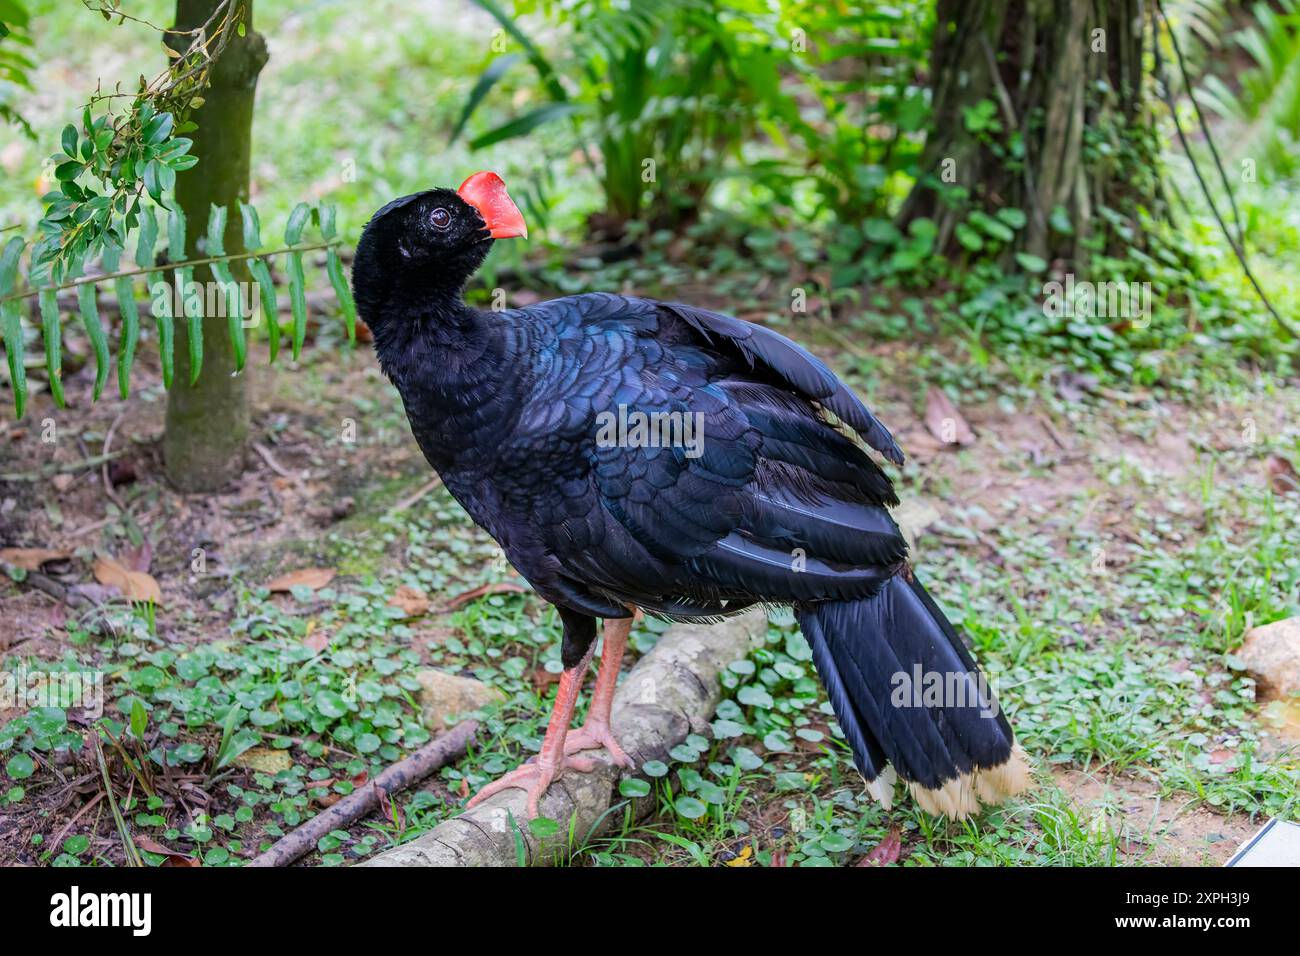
962 796
882 788
861 647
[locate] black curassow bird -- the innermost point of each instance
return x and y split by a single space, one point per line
746 487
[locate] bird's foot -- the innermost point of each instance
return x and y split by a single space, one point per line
594 734
535 777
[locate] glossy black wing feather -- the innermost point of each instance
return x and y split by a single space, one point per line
796 366
775 504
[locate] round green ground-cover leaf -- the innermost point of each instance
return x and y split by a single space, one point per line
20 766
690 808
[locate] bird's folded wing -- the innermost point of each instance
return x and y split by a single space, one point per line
795 365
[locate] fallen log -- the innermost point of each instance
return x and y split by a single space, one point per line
405 773
56 590
670 693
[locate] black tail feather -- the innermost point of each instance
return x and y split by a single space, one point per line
906 691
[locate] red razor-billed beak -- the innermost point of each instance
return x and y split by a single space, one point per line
486 192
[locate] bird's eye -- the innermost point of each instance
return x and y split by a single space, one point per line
440 218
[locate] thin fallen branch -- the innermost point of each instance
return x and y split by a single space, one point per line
55 469
395 779
670 693
93 526
104 475
420 493
1052 433
473 594
50 586
90 804
265 454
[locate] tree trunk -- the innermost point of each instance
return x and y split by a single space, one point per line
1064 126
207 422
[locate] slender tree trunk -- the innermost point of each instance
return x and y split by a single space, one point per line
207 422
1061 83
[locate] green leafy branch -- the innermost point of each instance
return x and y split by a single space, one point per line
14 65
192 303
115 157
79 220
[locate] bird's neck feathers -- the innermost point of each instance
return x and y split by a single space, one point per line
417 314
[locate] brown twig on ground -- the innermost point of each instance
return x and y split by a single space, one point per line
49 470
91 803
420 493
51 587
395 779
103 468
93 526
265 454
473 594
1052 433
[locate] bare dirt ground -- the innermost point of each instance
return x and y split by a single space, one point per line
1165 831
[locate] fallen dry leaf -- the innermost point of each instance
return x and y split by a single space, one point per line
920 444
314 578
813 746
389 810
473 594
95 593
146 842
410 601
265 760
944 421
326 799
173 857
138 559
542 679
134 585
121 473
886 851
31 559
743 858
916 516
1282 476
51 616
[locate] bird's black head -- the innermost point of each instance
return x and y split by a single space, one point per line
417 252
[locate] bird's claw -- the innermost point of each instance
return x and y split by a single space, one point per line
593 735
534 777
